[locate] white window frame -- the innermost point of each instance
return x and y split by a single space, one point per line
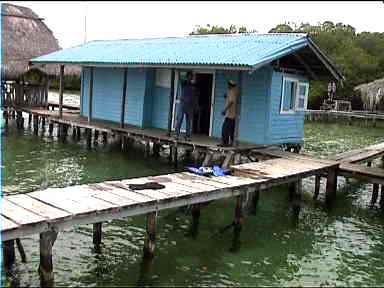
296 98
306 84
163 77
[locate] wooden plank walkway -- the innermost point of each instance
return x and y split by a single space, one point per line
60 208
360 155
73 118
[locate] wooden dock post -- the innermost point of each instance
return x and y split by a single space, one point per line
149 243
255 201
96 137
317 187
375 194
195 220
50 128
105 137
8 253
228 160
21 250
88 132
43 124
29 119
97 235
35 124
208 158
19 119
73 132
78 133
295 195
330 193
47 239
237 223
156 149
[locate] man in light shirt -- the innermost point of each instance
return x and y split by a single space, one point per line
230 109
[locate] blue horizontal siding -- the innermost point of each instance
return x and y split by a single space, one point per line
284 128
134 105
160 107
254 106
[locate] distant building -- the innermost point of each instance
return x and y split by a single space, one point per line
272 70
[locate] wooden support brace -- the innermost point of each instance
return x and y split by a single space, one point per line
73 132
35 124
228 160
47 239
20 248
156 149
375 194
208 158
317 187
96 136
8 253
149 243
43 124
175 153
50 128
331 187
97 235
5 116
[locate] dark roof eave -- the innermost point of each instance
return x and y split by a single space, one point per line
325 60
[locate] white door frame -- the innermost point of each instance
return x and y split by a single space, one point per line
176 83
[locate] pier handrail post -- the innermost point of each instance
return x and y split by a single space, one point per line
90 95
171 95
123 98
61 91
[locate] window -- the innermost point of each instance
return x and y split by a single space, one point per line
302 96
163 78
294 95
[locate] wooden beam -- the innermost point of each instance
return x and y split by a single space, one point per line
306 66
47 239
123 98
90 100
171 93
61 91
149 243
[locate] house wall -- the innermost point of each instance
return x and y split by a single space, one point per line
284 128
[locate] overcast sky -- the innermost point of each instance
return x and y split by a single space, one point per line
121 20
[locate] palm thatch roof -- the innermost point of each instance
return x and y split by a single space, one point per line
372 94
25 36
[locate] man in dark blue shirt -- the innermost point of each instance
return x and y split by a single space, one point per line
188 102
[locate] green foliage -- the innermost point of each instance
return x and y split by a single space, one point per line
71 82
215 29
359 56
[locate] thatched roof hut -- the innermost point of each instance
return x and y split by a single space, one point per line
25 36
372 94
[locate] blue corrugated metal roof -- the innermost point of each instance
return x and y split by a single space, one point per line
230 50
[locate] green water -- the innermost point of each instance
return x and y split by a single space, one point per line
344 247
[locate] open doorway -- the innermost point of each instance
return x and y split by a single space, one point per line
202 117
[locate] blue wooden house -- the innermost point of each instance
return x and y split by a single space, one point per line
136 81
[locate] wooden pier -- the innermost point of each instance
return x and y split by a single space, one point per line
51 210
203 147
362 117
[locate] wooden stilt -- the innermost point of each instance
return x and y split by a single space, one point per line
381 197
295 193
74 132
97 235
149 244
19 119
43 124
95 136
78 133
5 116
195 220
237 223
369 163
8 253
330 193
89 137
175 154
375 194
255 201
156 149
170 156
13 114
317 187
147 149
237 159
35 124
50 128
47 239
29 119
105 137
21 250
